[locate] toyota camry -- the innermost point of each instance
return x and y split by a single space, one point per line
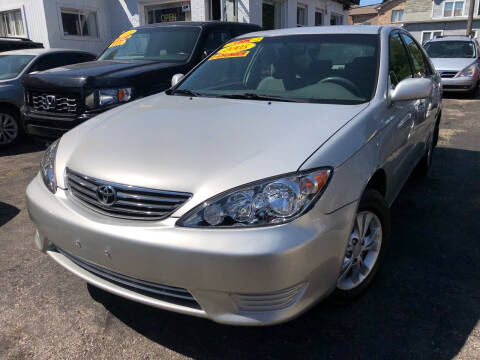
257 185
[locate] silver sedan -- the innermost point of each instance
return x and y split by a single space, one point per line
259 184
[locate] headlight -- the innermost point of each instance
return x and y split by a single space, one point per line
105 97
267 202
468 71
47 166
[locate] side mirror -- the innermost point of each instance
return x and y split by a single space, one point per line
176 79
412 89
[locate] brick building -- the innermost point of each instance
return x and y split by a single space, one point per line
386 13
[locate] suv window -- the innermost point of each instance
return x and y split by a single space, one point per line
216 37
399 61
418 61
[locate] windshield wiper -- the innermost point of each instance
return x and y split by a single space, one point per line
253 96
185 92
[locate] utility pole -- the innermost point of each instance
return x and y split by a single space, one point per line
470 17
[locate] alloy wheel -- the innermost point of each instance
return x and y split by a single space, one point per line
362 250
8 129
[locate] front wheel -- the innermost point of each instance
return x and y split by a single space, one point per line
366 248
10 128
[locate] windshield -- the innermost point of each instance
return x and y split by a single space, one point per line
166 44
12 65
304 68
450 49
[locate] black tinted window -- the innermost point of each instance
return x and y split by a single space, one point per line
399 62
419 67
216 37
451 49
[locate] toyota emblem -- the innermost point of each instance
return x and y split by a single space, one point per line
107 195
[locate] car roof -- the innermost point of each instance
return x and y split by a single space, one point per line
38 51
314 30
198 24
452 38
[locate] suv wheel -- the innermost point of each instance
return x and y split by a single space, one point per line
366 249
10 128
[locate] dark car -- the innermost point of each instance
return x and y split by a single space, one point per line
14 66
17 43
140 62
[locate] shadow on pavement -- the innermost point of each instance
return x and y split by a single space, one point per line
7 213
27 146
422 305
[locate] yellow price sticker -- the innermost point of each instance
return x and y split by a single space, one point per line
122 38
249 40
229 55
236 48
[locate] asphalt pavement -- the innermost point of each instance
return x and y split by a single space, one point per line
424 304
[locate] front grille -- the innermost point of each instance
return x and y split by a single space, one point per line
270 301
58 103
448 74
169 294
124 201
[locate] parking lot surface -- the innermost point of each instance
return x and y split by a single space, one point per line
424 304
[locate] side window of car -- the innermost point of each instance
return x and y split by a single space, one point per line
215 37
399 63
418 62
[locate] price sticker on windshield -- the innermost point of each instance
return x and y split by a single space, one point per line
122 38
236 48
229 55
243 41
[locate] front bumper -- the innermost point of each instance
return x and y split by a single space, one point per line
460 84
252 276
51 125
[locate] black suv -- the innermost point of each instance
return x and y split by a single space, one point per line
140 62
16 43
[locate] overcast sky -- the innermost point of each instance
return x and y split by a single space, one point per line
369 2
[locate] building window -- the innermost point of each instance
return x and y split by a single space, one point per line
79 23
453 8
429 35
11 23
318 18
336 19
397 16
301 15
174 12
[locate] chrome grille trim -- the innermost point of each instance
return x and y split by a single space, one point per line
64 103
448 74
170 294
132 202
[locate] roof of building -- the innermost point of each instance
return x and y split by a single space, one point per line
314 30
37 51
364 10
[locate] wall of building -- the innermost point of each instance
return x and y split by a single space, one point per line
418 10
56 36
385 12
33 16
363 19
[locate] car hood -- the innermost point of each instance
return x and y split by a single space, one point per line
451 64
93 74
199 145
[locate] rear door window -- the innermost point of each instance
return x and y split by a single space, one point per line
418 61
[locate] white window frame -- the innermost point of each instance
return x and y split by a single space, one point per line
397 21
145 4
305 8
453 8
431 34
317 10
16 7
71 7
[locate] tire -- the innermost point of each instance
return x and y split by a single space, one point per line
11 130
372 202
423 167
